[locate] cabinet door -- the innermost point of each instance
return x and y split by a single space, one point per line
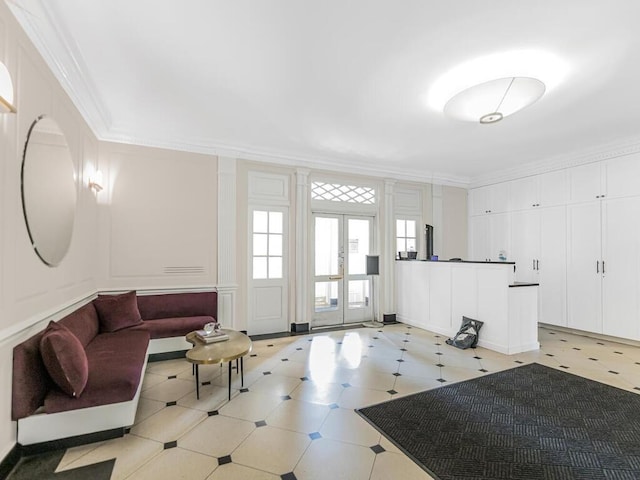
498 197
585 183
583 273
499 236
525 244
479 245
552 189
621 278
478 202
523 193
552 267
623 176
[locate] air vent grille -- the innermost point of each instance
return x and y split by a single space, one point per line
184 270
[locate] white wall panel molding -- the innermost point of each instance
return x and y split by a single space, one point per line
407 201
227 308
387 253
303 262
227 241
37 322
268 189
150 290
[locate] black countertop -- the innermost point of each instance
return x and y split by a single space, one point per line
455 261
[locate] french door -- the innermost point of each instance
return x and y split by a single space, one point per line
342 289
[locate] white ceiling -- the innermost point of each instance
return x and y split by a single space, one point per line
338 83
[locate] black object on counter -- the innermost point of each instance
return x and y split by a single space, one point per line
428 230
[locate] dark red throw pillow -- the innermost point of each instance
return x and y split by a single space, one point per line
65 359
117 311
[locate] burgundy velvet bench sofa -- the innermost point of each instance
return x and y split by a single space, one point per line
82 382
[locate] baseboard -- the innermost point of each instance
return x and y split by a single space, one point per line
159 357
70 442
9 462
299 327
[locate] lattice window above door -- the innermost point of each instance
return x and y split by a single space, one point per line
343 193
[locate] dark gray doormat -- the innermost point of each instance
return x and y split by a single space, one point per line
531 422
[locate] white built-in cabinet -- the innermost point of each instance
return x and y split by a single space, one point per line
489 199
576 232
538 239
492 234
621 267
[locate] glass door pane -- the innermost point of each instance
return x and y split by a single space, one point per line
358 284
328 270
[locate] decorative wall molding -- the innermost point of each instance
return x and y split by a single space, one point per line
64 60
227 242
269 188
387 283
302 291
8 334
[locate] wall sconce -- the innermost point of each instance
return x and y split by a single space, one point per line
6 91
95 181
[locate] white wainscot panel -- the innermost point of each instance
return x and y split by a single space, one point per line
440 311
269 187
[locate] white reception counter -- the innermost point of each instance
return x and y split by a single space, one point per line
435 295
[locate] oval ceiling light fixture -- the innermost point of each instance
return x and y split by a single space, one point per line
508 79
491 101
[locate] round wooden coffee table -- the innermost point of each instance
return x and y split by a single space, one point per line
202 353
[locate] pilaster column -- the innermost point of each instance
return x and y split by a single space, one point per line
387 268
227 254
302 246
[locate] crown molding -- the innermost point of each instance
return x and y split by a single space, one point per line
294 159
613 149
62 56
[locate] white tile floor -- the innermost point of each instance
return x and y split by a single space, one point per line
295 417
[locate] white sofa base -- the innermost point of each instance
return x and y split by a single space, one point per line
169 344
46 427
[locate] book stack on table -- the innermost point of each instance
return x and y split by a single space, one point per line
212 337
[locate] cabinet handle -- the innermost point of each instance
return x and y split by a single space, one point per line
598 266
537 264
603 267
534 263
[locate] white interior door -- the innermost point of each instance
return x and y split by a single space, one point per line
584 267
268 271
341 285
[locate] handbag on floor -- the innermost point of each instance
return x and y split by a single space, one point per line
467 336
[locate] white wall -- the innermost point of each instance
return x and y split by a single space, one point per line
157 219
454 223
29 290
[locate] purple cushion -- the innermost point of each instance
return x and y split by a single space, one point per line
31 382
65 359
173 327
117 311
83 323
115 366
178 305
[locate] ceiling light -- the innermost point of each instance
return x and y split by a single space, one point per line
6 91
491 101
528 66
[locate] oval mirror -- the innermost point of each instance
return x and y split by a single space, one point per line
48 190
